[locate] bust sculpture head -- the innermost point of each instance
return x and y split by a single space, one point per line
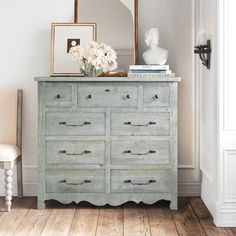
154 54
152 37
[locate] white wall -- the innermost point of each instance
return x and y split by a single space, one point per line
176 23
24 53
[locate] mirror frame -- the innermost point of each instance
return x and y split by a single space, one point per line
76 20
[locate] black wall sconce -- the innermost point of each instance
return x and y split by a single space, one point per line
204 52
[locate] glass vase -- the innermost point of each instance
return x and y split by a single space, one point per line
90 71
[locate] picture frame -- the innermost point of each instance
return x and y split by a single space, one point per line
63 37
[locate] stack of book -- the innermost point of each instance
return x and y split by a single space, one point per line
150 71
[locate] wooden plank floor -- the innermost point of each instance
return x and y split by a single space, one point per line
192 219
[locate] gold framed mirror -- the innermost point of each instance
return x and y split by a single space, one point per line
117 26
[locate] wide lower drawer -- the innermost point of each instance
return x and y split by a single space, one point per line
75 123
75 181
136 123
107 96
140 181
140 152
75 152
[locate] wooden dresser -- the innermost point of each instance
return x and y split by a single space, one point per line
107 140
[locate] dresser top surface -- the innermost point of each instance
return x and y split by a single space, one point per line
105 79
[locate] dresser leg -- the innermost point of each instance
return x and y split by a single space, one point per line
41 204
174 205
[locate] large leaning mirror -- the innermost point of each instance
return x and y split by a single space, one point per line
116 26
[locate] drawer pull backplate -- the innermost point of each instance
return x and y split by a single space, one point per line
139 154
139 125
75 154
64 181
71 125
139 183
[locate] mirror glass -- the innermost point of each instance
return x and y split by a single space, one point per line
115 21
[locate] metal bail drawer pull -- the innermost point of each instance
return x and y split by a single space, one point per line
140 183
139 125
139 154
75 154
64 181
83 124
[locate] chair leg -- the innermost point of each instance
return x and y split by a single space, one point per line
8 188
19 178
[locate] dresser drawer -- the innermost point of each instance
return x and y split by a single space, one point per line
140 152
107 96
75 181
156 96
157 123
75 123
75 152
58 95
139 181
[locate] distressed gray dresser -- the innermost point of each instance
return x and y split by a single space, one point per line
107 140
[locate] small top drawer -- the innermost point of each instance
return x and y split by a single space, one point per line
58 95
156 96
107 96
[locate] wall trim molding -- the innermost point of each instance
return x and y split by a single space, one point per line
206 198
189 189
186 166
226 155
225 217
194 158
195 126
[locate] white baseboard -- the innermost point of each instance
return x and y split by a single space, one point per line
223 217
208 201
189 189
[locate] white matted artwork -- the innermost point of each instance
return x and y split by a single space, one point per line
65 36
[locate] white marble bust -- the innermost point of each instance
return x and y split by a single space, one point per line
154 55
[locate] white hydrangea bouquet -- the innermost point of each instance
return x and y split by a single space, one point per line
94 58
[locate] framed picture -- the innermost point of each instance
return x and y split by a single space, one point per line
64 36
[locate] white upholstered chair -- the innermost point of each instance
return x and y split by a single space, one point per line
11 139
